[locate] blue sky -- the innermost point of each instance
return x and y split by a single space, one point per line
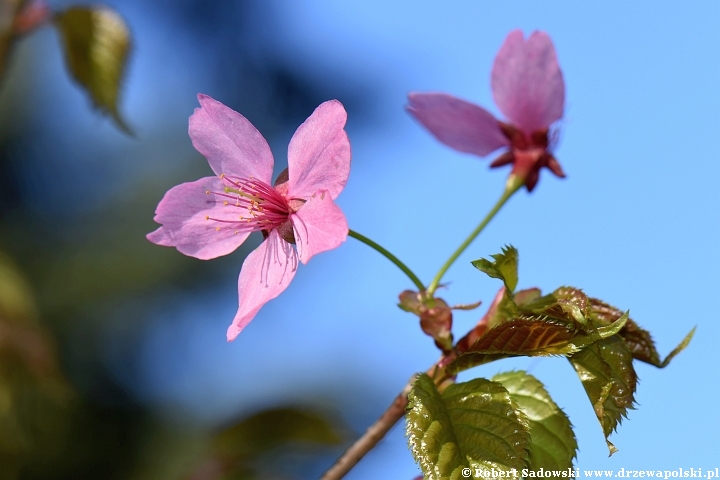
636 223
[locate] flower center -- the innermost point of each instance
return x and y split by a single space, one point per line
520 141
255 206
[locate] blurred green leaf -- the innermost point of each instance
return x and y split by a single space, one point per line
607 374
9 10
470 425
16 299
272 428
503 267
239 451
551 434
33 393
97 45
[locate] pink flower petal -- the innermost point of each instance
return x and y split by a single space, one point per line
319 225
229 141
456 123
265 274
183 213
319 153
527 82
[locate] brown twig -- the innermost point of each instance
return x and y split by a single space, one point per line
371 437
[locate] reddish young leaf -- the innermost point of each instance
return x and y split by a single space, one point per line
514 338
521 336
489 320
566 303
435 316
531 336
524 297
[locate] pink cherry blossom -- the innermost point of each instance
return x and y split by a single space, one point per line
528 88
297 215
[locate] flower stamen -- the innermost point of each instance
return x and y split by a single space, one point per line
264 207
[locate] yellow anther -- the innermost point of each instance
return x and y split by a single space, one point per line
217 229
225 202
207 191
207 217
222 175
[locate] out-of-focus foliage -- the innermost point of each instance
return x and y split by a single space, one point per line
98 284
97 44
234 451
35 399
96 41
9 10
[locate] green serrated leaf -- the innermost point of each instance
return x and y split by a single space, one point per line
606 371
685 342
573 302
503 267
553 443
638 339
601 333
97 45
472 425
506 310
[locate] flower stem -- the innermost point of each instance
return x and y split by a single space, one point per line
513 185
371 436
390 257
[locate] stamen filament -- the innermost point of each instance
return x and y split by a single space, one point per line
265 208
